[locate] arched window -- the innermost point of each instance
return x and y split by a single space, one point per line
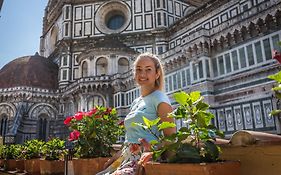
3 125
101 66
42 127
123 65
84 69
95 100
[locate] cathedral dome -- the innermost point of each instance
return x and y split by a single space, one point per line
31 71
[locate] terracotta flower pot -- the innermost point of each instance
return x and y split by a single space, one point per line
218 168
54 167
88 166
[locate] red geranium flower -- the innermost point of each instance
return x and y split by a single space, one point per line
91 112
93 132
68 120
74 135
79 115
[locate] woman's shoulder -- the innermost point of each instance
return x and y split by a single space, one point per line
160 96
158 93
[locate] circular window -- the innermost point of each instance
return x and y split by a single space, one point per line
113 17
115 22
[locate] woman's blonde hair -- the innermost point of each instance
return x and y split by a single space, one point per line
159 83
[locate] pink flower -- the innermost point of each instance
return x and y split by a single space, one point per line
276 55
68 120
79 115
74 135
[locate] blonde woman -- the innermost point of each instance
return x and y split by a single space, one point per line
152 103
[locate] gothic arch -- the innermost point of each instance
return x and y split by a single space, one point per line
4 125
43 126
101 66
123 65
7 109
84 69
42 108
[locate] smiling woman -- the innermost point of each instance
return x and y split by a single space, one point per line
152 103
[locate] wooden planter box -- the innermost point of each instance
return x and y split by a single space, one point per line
219 168
11 165
32 166
257 159
20 165
88 166
54 167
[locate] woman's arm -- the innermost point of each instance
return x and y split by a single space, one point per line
163 111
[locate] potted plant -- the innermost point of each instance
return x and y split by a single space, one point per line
52 154
193 144
2 158
93 134
10 152
31 154
276 89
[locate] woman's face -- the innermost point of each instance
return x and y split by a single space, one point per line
145 72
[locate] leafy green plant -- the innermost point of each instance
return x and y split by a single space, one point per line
277 77
94 132
53 149
191 143
13 151
32 149
2 149
277 90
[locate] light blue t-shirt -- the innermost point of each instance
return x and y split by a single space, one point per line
143 106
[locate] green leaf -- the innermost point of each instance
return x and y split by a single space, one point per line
155 122
278 94
147 122
165 125
195 96
275 112
276 77
157 154
202 106
139 124
277 88
202 121
181 97
184 129
153 142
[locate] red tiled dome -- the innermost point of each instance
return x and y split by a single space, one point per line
31 71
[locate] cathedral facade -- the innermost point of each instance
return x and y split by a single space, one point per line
219 47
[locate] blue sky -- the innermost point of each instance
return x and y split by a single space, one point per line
20 28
